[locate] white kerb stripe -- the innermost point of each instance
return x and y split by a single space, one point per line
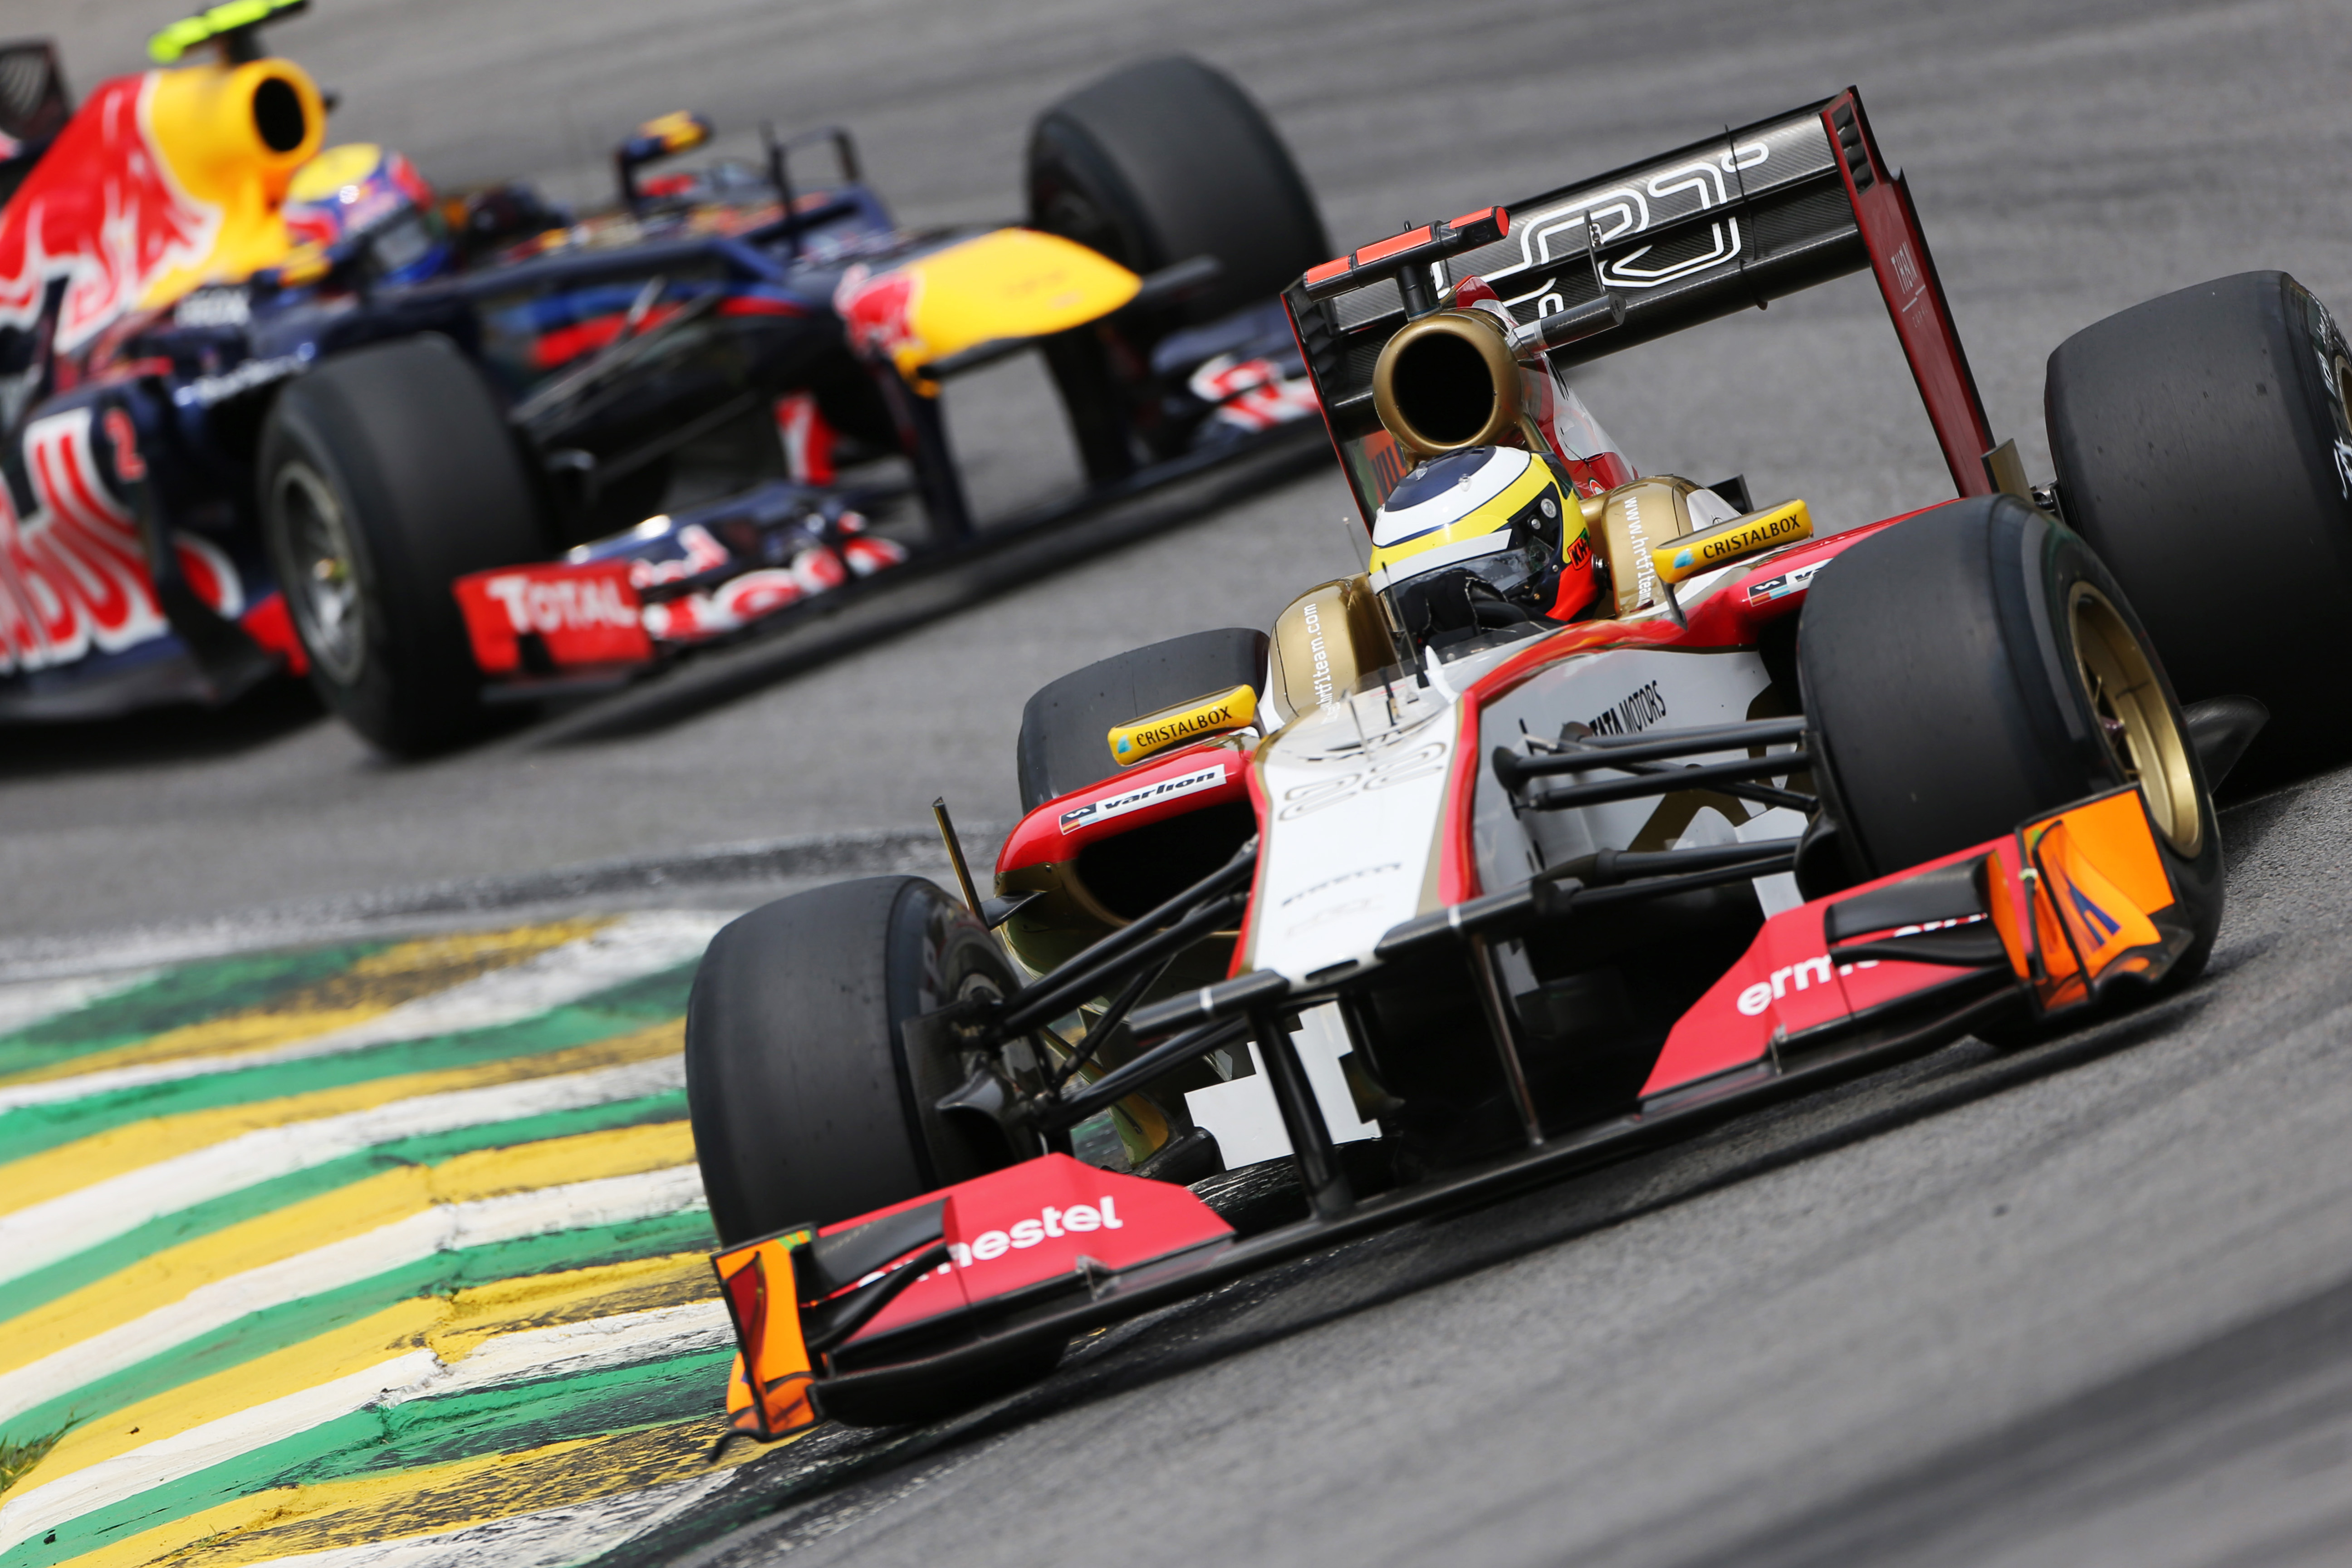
30 1002
74 1222
574 1350
566 1349
44 1507
625 951
553 1538
445 1227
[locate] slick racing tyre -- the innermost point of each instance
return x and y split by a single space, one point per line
812 1103
385 474
2203 449
1166 160
1066 729
1977 666
809 1102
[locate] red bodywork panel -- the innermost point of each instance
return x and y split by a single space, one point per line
585 615
1786 984
1209 774
1905 270
1033 1221
2075 897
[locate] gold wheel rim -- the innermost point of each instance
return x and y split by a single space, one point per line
2134 722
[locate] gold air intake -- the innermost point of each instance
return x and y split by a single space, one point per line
1447 381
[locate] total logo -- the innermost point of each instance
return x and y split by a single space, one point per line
566 603
1078 1219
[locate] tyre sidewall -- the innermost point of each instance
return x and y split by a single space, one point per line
939 954
805 1101
298 433
2198 878
464 502
1957 712
2204 448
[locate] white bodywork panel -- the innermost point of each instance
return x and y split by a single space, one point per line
1356 799
1355 808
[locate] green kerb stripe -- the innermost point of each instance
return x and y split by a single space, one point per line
30 1130
193 994
407 1436
519 1415
261 1334
125 1252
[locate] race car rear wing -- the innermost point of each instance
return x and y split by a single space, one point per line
1724 224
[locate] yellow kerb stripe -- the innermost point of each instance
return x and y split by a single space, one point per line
449 1326
70 1167
294 1520
373 985
157 1281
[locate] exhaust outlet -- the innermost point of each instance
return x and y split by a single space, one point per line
1448 381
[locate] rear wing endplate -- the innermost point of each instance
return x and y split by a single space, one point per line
1731 222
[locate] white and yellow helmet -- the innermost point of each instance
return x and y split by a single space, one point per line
1488 526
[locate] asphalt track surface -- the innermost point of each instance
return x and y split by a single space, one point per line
2086 1303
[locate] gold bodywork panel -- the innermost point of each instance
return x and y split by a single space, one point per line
1635 520
1329 638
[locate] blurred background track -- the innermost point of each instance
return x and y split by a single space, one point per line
2085 1304
2067 162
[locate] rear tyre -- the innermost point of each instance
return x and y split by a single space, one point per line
812 1102
1976 667
1158 163
386 474
1066 729
2204 450
1165 160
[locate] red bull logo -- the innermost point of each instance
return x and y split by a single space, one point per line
73 574
159 183
102 216
877 312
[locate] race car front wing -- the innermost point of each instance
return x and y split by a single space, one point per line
2043 922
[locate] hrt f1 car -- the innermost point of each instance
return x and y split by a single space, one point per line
1602 807
266 404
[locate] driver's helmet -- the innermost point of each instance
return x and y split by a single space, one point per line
363 199
1479 539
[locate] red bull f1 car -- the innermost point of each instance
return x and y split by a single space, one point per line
1601 807
269 404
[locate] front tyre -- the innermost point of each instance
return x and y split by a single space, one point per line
385 474
810 1099
1160 163
1976 667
